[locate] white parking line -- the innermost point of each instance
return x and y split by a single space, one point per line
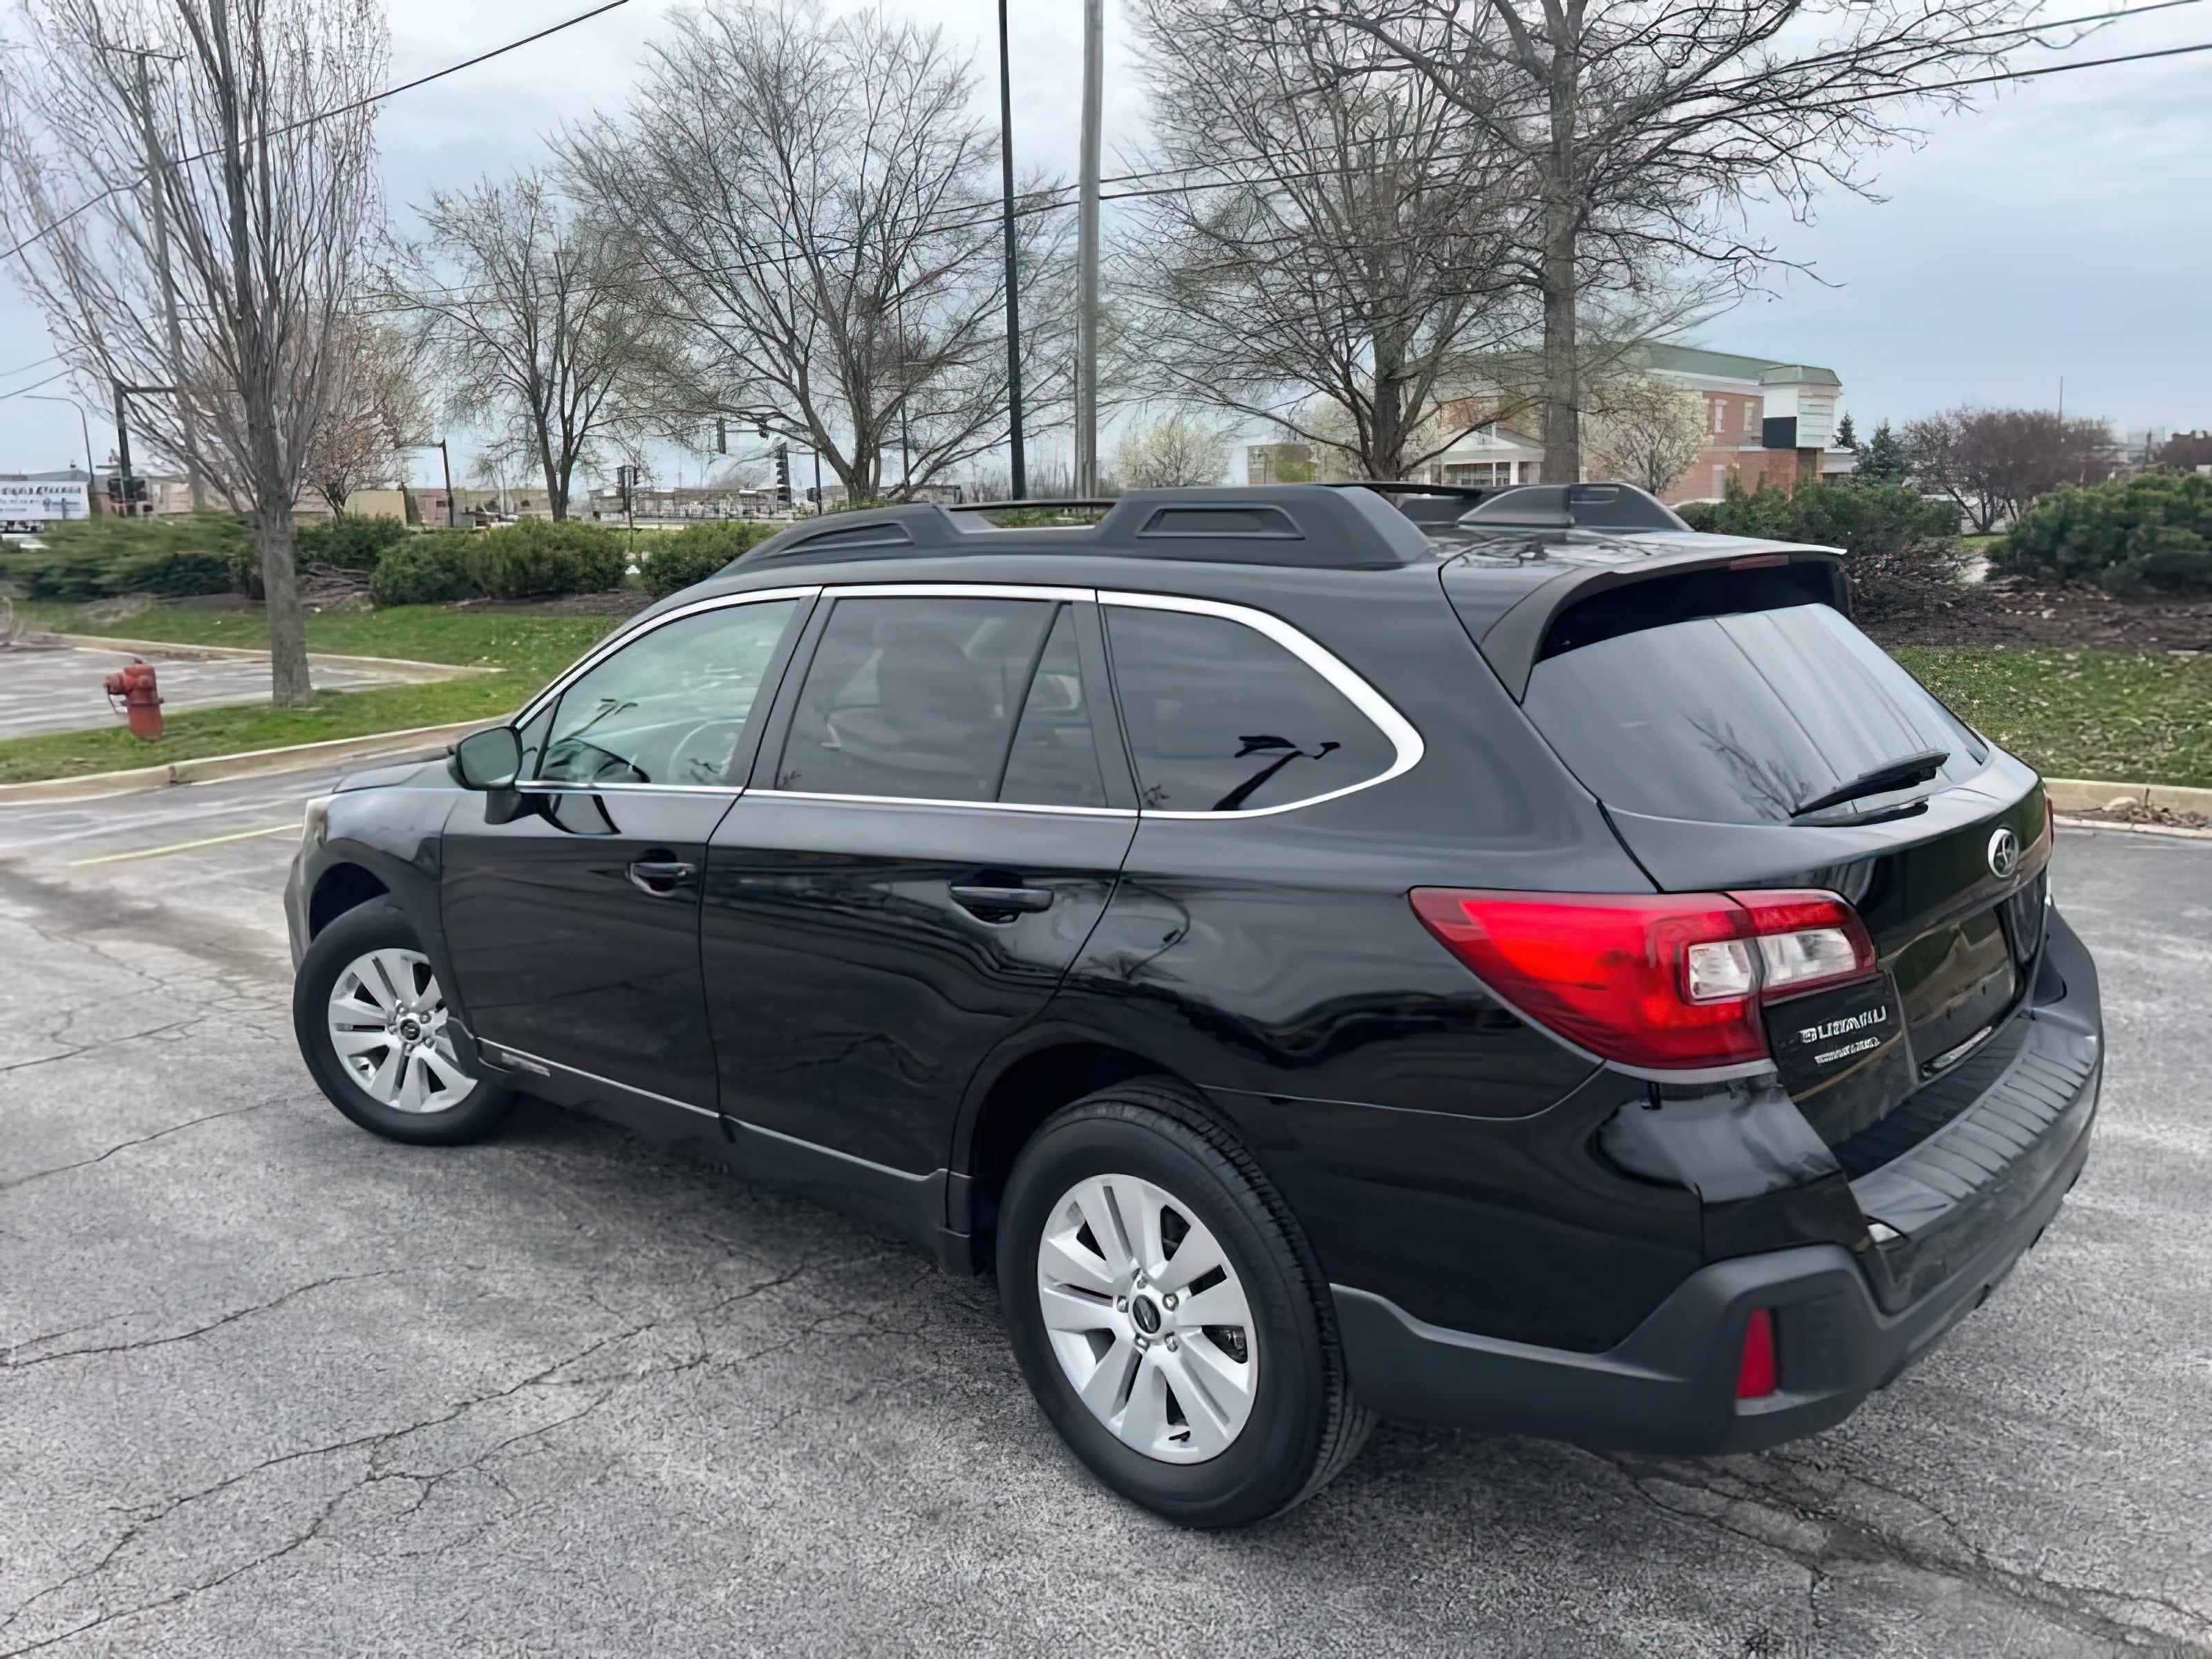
154 820
185 846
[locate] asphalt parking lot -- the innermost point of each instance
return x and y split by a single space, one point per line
269 1385
58 688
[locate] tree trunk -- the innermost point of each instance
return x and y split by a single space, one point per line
1562 443
289 685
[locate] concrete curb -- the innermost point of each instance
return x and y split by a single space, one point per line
2173 831
437 671
213 768
2081 795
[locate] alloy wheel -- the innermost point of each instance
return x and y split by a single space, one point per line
1148 1318
388 1024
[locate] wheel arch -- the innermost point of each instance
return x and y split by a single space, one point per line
343 884
1012 1093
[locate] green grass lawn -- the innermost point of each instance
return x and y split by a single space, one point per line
526 649
2132 716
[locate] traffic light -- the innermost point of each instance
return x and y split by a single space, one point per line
721 436
783 475
622 482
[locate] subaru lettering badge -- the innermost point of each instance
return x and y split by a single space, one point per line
2004 853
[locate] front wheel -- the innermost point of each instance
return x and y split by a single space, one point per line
373 1025
1167 1314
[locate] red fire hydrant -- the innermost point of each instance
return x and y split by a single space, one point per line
142 698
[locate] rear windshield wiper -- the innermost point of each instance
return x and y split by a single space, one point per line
1890 775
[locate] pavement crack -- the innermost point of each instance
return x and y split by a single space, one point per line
202 1330
124 1146
94 1048
1844 1540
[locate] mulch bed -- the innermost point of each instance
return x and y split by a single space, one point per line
622 602
2006 611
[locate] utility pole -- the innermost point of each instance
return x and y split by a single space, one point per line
122 451
160 212
1086 253
1021 483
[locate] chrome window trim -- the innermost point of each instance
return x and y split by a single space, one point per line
959 591
921 800
599 653
563 786
1405 738
495 1044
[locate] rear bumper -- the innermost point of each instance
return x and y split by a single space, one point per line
1847 1322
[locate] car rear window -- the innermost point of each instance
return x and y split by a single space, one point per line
1737 718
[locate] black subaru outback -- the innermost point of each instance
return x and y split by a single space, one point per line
1336 952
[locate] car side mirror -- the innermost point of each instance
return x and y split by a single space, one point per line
488 760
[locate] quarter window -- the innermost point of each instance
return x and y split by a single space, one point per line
945 699
1222 719
669 707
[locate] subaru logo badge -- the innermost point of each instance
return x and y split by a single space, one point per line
2004 853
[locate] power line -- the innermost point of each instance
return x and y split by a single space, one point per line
326 115
35 363
33 386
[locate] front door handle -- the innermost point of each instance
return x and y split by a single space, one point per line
1001 903
660 877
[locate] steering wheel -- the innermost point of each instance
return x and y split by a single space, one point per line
702 755
608 768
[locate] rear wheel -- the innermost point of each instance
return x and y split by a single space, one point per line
1167 1314
373 1025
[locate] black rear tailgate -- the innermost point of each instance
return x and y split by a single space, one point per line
1706 736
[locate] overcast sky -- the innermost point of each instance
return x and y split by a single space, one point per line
2064 228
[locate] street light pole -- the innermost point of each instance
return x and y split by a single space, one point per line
1014 277
82 425
1086 253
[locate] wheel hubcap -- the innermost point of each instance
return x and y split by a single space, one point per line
388 1027
1148 1318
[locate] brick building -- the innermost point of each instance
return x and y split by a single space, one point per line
1765 421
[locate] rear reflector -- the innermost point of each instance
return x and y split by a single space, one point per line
1756 1375
1661 981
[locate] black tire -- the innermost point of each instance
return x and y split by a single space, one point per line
379 925
1304 1424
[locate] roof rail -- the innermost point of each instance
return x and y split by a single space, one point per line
1425 503
1277 525
1048 502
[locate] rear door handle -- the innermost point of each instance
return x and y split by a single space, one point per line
1001 903
660 877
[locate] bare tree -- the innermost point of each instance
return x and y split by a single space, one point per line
1645 125
810 206
1351 256
266 187
1647 431
1995 462
1177 449
376 410
527 309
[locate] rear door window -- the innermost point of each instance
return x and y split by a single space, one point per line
1222 719
1738 718
945 699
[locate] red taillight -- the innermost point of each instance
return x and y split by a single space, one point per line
1756 1375
1664 980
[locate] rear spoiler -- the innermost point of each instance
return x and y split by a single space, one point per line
1512 635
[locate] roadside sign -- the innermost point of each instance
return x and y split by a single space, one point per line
42 501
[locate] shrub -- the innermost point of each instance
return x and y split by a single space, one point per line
2132 537
355 544
426 569
101 558
1902 549
539 558
678 559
